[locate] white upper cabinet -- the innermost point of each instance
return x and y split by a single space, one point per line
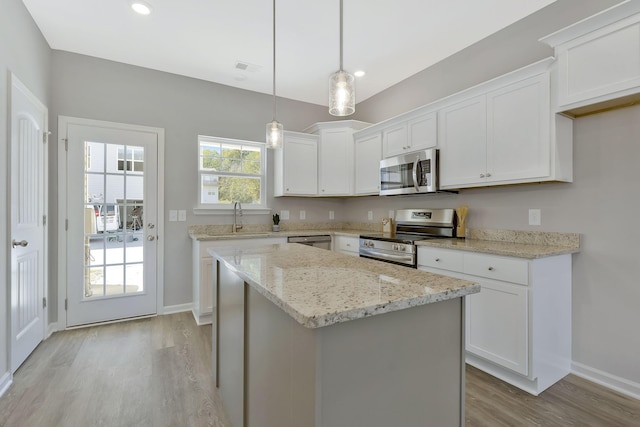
296 165
394 139
336 156
463 142
598 60
335 162
368 153
412 134
518 131
504 132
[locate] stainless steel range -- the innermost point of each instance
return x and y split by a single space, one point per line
411 225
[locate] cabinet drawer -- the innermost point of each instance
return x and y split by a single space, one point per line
345 243
498 268
441 258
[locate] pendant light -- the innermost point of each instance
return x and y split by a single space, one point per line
275 132
342 90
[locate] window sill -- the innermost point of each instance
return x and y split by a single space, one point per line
229 211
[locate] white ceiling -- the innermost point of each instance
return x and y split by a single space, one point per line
389 39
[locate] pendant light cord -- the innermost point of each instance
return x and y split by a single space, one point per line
274 59
341 35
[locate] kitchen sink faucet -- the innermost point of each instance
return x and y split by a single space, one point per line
237 212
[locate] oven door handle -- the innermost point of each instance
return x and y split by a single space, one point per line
415 174
405 258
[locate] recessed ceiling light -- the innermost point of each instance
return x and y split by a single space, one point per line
359 73
141 7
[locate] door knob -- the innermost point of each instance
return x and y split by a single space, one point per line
151 238
150 225
22 243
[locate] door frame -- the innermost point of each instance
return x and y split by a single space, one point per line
63 123
16 83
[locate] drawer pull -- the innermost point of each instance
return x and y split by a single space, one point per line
437 259
490 268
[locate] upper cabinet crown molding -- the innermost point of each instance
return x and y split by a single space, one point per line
598 64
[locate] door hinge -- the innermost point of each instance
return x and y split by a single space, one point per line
44 303
45 137
66 304
66 144
66 224
44 220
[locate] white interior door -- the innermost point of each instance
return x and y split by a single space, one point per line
112 201
28 207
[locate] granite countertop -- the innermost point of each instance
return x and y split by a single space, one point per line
514 243
204 236
519 250
320 288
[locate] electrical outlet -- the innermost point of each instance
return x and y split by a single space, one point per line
182 215
370 215
535 217
303 215
173 215
284 214
332 215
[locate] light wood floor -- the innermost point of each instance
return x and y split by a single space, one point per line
156 372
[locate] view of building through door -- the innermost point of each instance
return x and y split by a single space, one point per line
111 208
113 221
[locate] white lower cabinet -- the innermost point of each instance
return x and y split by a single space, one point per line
518 328
204 272
347 245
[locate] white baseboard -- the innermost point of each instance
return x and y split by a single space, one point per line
5 382
51 328
171 309
605 379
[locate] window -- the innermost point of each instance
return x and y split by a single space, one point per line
134 160
231 170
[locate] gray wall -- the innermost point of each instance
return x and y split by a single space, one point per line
599 204
104 90
24 52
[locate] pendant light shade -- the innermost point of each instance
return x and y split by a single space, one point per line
275 134
342 88
275 131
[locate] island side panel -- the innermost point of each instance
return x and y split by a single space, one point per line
231 343
397 369
280 367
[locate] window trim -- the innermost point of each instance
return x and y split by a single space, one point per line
223 208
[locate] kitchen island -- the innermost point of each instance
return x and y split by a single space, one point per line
308 337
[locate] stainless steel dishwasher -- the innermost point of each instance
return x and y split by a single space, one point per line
323 241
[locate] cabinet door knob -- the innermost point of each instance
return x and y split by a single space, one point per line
488 175
437 259
490 268
481 175
287 189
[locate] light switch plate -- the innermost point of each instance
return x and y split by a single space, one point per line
173 215
303 214
332 215
535 217
182 215
284 214
391 213
370 215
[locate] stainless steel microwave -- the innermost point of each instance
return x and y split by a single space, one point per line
413 173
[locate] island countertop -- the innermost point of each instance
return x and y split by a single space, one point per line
320 288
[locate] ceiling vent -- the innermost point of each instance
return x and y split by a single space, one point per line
245 66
